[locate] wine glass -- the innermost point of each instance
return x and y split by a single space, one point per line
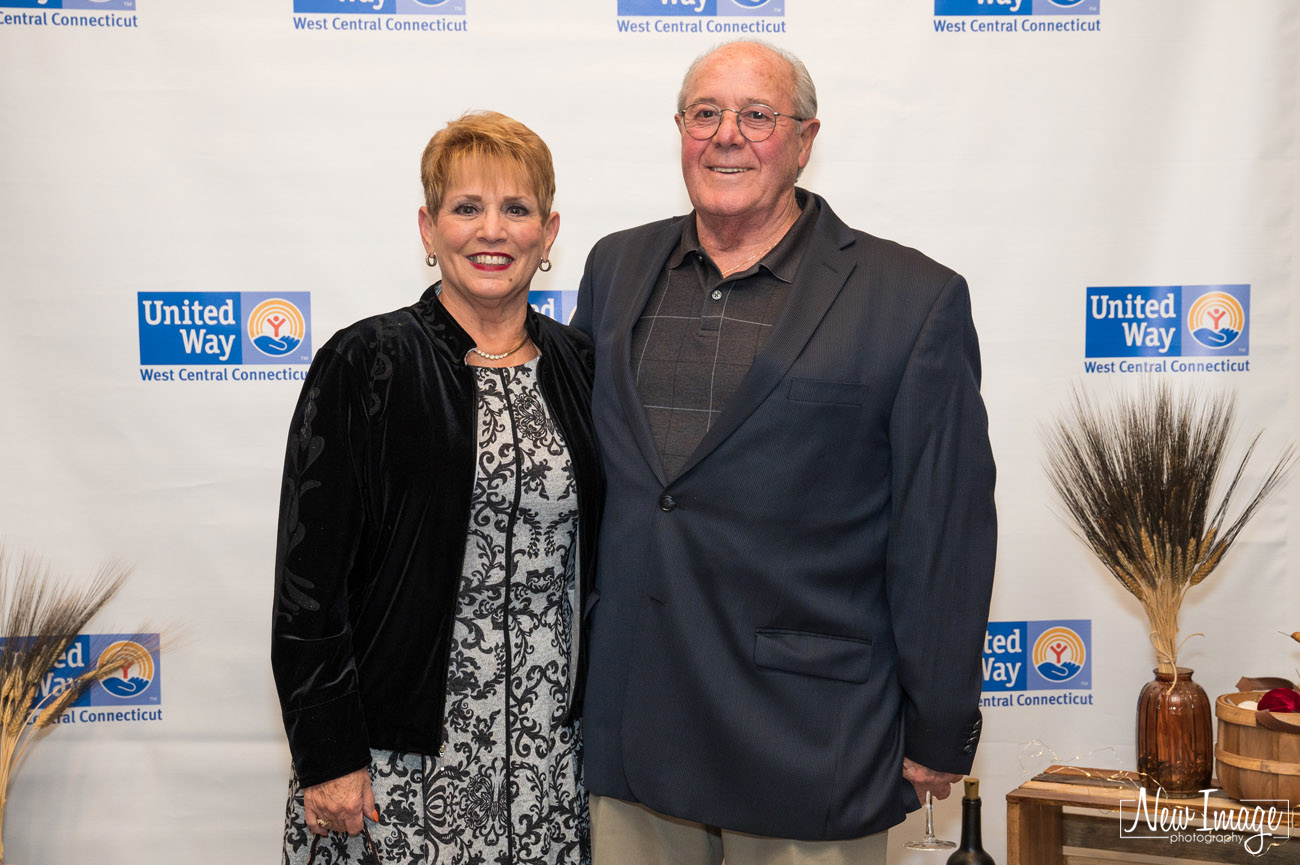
929 841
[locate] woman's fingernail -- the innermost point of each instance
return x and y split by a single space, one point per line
374 814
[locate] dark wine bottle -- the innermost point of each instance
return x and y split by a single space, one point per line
971 849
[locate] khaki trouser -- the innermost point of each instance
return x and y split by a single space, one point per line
628 833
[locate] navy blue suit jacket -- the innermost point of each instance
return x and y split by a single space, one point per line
805 604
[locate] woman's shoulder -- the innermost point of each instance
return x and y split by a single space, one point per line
553 330
384 332
565 341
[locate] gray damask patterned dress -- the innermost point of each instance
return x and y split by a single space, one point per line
506 788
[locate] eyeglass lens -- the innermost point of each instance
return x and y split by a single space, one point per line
756 121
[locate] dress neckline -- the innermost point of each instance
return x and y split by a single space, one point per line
531 363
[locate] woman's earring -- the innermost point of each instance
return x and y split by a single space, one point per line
431 260
544 265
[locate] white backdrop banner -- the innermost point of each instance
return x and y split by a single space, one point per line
195 195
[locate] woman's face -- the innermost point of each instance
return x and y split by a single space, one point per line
489 235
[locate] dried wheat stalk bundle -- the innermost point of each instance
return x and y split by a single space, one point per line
40 617
1137 479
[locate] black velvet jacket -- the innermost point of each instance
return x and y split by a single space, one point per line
374 514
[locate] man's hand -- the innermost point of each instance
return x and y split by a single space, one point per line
340 803
937 783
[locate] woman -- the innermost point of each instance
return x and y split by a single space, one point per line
440 500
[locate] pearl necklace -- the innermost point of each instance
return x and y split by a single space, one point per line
503 354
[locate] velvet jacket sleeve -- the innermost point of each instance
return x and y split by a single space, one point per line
942 535
323 521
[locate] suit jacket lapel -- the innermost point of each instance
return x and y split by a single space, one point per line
643 265
823 271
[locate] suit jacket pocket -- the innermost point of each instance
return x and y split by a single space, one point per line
847 659
834 392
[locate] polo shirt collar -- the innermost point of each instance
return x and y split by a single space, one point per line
782 260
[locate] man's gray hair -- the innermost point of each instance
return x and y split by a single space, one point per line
804 96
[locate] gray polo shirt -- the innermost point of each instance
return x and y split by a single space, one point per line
699 333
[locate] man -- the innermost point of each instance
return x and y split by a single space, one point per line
797 549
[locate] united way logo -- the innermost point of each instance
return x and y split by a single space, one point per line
1167 321
1017 7
137 673
224 328
1038 656
137 683
1059 654
276 327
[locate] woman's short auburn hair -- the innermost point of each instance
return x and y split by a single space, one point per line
494 139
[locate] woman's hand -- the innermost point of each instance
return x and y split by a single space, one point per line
339 804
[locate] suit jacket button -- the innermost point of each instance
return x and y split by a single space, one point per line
667 502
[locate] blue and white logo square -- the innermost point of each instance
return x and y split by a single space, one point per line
1059 655
226 328
1217 320
380 7
1004 656
98 5
189 327
278 328
1168 321
1038 656
137 683
705 8
1067 7
667 7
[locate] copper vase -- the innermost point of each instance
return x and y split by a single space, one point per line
1175 737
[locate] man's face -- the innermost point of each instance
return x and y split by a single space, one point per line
729 176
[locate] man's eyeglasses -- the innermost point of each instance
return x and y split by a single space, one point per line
756 121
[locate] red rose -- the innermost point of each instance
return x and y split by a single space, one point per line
1280 700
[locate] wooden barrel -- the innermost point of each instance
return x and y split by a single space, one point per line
1255 763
